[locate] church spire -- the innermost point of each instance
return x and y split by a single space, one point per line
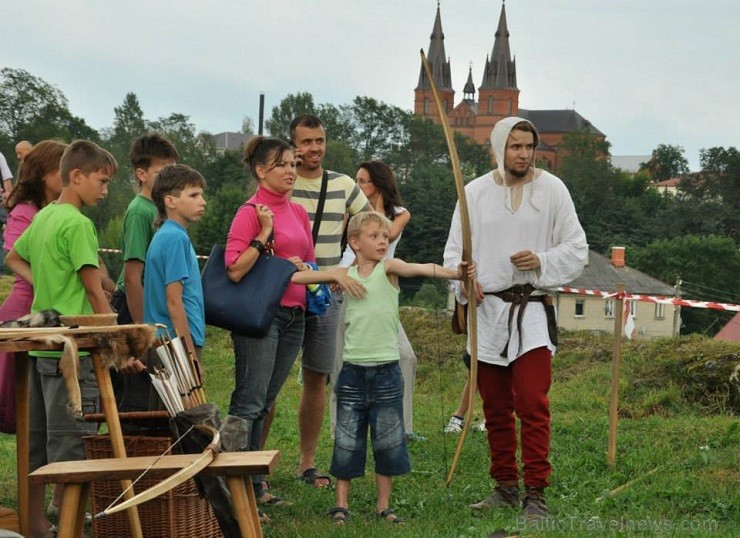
437 59
500 70
469 88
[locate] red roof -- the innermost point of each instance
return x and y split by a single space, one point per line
673 182
731 331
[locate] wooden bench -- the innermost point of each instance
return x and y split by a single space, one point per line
234 466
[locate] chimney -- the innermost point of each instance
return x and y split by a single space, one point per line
618 257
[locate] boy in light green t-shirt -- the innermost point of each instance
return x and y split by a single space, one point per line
58 254
369 388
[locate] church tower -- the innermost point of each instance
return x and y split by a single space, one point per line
424 105
498 95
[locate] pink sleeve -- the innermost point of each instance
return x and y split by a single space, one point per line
18 220
244 228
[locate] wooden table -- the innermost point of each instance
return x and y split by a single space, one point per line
235 466
20 341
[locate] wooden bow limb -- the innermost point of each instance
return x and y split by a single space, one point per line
467 256
184 474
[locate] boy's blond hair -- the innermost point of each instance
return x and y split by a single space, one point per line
87 157
363 218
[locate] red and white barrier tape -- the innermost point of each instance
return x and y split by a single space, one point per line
653 299
117 251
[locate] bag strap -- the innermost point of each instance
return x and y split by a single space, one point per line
272 232
320 207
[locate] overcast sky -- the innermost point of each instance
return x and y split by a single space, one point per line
644 72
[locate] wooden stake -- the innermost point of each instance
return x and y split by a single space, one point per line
616 360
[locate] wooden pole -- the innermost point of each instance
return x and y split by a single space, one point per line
110 409
21 427
616 360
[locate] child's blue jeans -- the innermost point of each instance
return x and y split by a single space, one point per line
369 397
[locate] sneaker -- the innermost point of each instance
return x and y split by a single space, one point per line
480 427
535 506
413 437
502 497
454 425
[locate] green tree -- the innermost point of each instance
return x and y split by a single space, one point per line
32 109
707 263
293 104
26 101
128 123
666 162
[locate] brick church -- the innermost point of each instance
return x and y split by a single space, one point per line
498 97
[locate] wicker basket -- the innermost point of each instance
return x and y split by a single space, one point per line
180 512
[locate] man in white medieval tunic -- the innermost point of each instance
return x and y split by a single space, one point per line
526 239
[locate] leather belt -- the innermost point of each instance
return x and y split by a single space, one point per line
521 295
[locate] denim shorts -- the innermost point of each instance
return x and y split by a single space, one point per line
369 397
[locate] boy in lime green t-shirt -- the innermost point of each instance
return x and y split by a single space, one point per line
58 254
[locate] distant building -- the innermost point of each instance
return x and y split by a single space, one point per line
230 141
594 313
629 163
669 186
498 97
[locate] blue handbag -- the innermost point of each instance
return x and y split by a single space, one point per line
246 307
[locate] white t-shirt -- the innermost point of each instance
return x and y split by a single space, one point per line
5 172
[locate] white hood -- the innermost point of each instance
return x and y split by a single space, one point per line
499 136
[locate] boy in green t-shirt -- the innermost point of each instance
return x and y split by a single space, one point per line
58 254
149 153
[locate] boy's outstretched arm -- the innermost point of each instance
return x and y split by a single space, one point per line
90 278
337 275
18 265
399 267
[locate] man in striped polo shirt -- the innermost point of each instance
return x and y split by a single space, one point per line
343 196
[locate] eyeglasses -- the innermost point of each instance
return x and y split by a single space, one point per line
364 181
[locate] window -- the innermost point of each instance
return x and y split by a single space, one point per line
659 311
580 308
633 309
426 106
609 308
490 105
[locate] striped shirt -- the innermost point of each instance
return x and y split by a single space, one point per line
342 196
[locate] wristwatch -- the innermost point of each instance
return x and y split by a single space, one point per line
259 245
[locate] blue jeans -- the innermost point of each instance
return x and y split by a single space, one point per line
261 368
369 397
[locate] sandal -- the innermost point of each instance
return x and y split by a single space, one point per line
389 514
311 476
338 515
273 500
263 518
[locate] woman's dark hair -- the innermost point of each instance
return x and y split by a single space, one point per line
264 151
382 177
43 159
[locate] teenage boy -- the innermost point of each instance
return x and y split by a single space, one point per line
58 254
149 153
369 388
174 295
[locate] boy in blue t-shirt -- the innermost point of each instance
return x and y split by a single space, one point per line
58 254
173 295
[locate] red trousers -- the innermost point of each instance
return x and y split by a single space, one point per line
519 388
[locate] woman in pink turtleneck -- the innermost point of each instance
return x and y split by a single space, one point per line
263 364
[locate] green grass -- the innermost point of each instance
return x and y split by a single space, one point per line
677 446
